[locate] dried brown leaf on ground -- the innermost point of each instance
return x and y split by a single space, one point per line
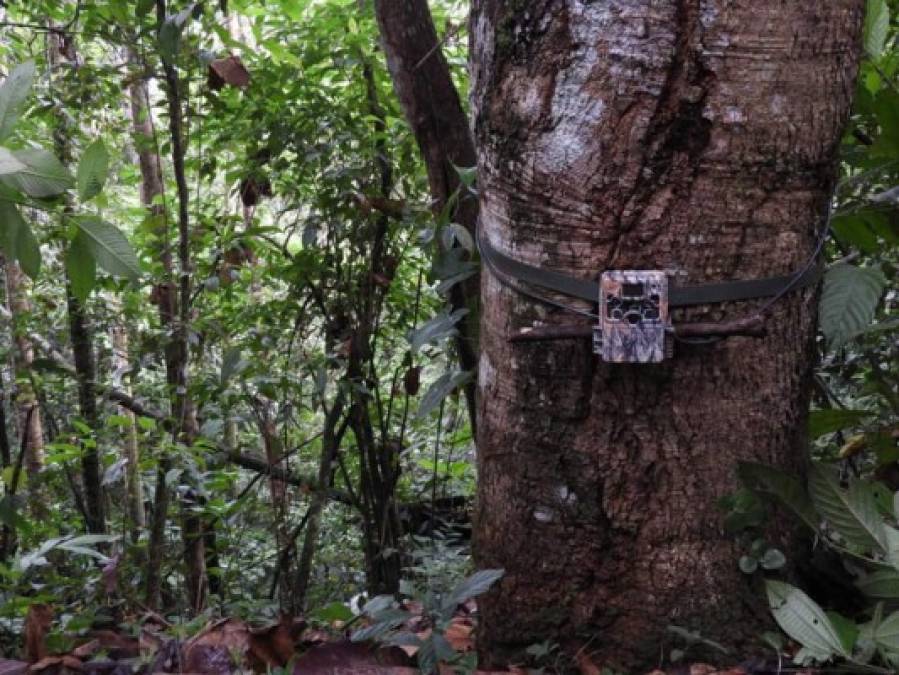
350 658
57 665
9 667
460 634
219 648
273 646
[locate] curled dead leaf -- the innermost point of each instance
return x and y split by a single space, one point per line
230 71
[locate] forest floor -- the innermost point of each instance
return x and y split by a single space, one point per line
287 647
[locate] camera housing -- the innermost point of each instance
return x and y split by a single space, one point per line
633 322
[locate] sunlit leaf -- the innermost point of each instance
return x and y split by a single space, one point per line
13 93
92 170
803 620
109 247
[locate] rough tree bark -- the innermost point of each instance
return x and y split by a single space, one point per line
431 105
638 134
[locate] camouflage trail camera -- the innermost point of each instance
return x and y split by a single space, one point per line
633 317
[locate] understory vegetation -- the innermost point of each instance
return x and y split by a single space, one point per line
230 385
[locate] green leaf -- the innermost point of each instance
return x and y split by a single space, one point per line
803 620
9 514
475 585
885 633
437 329
17 240
13 94
28 251
383 625
445 385
748 564
43 175
821 422
110 248
852 513
170 33
877 26
846 630
92 170
336 611
849 301
882 584
9 163
766 480
774 559
81 267
231 362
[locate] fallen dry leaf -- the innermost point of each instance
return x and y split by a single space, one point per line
272 646
59 664
585 664
350 658
459 634
9 667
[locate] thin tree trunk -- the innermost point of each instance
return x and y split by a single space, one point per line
644 135
183 409
331 438
431 105
164 296
119 339
80 333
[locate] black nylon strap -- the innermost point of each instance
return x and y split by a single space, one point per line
679 296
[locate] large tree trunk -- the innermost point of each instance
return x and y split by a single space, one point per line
630 134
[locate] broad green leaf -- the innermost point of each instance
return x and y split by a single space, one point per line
821 422
28 251
386 622
9 163
475 585
849 301
81 267
170 33
336 611
803 620
9 514
110 248
92 170
231 362
853 229
877 27
885 633
852 513
881 584
774 559
13 94
17 239
43 175
439 328
445 385
767 480
846 630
